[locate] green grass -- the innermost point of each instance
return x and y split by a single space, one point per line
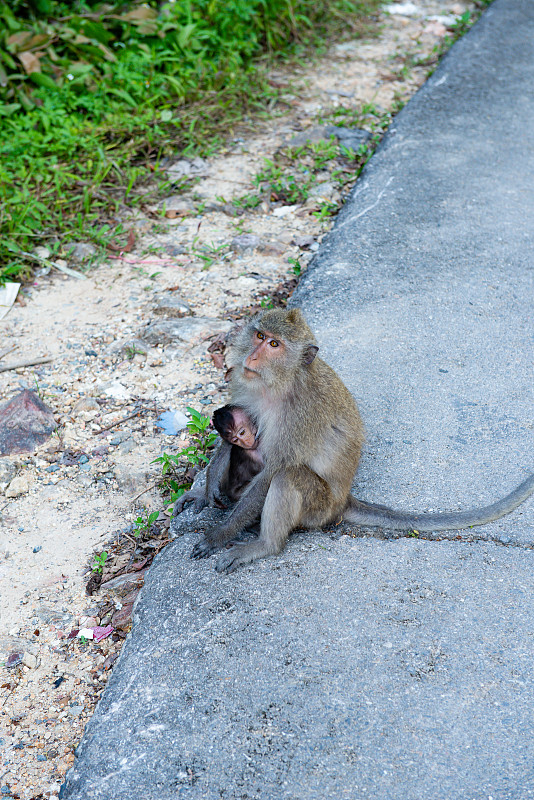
292 173
94 96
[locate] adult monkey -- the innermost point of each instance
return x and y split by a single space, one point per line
311 435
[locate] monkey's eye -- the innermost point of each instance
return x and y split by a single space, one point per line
260 336
273 343
242 432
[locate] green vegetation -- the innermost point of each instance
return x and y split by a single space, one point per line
143 524
290 177
176 468
93 95
99 561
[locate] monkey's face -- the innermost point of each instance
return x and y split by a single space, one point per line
272 348
242 432
265 352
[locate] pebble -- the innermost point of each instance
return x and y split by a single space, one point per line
191 330
245 242
84 405
82 251
7 473
29 660
272 248
349 137
20 485
172 306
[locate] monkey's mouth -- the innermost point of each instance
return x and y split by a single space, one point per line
249 372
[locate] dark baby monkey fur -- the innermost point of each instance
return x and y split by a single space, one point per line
311 438
237 428
236 461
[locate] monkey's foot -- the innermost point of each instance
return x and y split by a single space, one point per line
241 554
203 549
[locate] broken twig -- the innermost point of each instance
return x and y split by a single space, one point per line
8 350
119 421
31 363
53 265
147 489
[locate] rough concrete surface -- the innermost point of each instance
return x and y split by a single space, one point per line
392 669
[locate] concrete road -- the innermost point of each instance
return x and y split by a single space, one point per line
365 666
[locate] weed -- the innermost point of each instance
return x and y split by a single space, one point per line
143 523
247 202
100 560
131 351
323 152
327 209
208 253
296 266
195 455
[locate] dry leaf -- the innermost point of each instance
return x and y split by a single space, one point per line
30 62
141 13
17 40
131 241
218 360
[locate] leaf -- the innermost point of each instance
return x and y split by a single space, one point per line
139 14
95 30
17 40
41 79
123 94
185 35
9 109
30 62
37 40
12 246
81 39
107 52
166 115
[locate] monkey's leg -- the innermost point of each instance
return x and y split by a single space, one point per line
296 496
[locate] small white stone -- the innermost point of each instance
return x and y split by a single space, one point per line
20 485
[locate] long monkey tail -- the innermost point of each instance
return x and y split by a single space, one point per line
359 512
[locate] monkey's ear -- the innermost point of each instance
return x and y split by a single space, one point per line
309 353
295 316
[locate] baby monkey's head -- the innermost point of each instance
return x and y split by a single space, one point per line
235 425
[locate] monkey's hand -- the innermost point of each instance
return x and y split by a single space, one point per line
203 549
213 497
241 553
195 496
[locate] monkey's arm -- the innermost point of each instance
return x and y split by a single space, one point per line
217 473
246 511
205 491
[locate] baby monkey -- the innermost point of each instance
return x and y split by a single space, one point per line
228 476
239 429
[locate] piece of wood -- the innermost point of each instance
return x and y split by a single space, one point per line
30 363
45 262
7 351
